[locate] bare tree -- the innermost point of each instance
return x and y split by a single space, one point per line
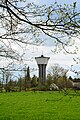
22 17
58 76
56 71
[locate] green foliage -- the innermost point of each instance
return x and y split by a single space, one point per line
58 75
34 82
28 73
11 86
39 106
49 81
27 79
64 83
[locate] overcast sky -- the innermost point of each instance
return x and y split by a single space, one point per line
64 60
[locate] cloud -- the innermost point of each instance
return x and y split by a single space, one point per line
64 60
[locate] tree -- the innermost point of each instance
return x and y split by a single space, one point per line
7 78
64 83
34 81
56 71
20 84
20 20
58 75
27 18
12 86
27 78
49 80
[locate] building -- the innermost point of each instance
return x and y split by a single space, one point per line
42 63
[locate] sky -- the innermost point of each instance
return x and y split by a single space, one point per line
64 60
48 2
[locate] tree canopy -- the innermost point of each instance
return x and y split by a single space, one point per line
22 17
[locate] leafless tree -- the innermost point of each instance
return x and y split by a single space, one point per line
56 71
19 17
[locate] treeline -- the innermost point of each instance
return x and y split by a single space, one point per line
56 81
20 84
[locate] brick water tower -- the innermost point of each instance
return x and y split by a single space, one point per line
42 63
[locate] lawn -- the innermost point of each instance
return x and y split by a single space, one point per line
39 106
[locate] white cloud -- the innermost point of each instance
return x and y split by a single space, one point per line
64 60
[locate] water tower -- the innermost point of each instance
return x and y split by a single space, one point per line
42 63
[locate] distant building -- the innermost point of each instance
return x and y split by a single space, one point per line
76 84
42 63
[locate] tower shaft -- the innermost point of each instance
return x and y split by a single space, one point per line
42 73
42 63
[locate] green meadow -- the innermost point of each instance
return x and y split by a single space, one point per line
39 106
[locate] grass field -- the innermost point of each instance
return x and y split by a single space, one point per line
39 106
